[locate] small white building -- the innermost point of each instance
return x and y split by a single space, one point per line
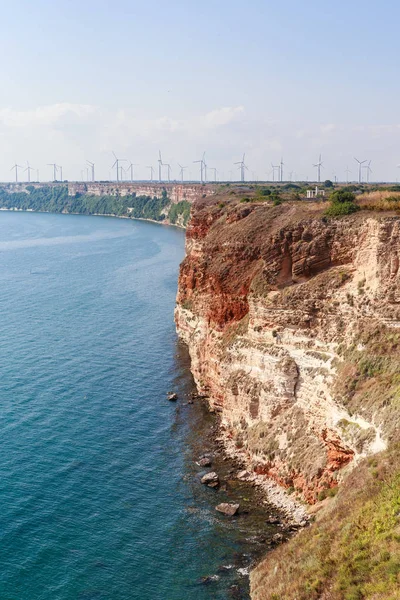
317 193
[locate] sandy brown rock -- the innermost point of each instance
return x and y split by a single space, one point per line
267 297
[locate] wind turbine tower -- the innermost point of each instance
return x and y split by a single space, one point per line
215 173
205 167
151 172
182 169
29 169
91 165
16 167
54 170
242 167
273 171
131 169
360 166
116 164
368 169
160 165
318 167
281 169
347 174
201 161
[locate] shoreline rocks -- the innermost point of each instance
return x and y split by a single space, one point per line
210 479
228 509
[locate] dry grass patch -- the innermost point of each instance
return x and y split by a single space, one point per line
380 201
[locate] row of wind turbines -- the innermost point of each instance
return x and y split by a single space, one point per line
277 170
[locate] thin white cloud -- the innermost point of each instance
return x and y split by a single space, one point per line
44 115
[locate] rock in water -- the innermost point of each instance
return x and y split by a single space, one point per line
172 396
227 509
204 462
210 479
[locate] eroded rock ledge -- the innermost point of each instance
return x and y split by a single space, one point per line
270 300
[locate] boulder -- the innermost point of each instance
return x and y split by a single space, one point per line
211 479
172 396
227 509
204 462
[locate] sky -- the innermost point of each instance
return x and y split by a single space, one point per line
292 79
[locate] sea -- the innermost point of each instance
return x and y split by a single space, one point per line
100 493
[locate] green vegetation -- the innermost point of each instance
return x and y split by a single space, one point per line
342 203
56 199
352 552
180 212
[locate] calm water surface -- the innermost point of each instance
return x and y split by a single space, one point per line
98 493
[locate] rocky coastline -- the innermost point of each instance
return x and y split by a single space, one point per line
280 309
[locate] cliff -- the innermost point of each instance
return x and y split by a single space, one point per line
169 203
292 323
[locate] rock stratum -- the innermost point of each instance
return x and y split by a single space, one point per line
292 324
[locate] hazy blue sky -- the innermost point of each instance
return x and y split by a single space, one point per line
291 78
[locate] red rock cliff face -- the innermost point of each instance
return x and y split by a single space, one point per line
266 296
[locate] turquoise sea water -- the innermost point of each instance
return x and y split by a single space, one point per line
99 495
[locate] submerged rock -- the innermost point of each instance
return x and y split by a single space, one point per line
228 509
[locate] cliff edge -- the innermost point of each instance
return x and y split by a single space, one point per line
292 323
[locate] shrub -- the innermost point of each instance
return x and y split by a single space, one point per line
342 197
339 209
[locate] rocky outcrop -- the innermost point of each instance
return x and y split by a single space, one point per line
269 301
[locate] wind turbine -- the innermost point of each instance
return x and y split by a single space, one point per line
205 167
131 169
368 169
318 167
215 173
347 174
117 161
29 169
281 169
37 174
242 167
60 167
181 171
360 164
273 171
54 170
151 172
202 165
160 165
91 164
168 171
16 167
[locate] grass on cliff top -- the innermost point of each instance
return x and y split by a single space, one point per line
352 552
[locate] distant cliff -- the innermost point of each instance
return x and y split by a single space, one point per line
168 203
292 322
